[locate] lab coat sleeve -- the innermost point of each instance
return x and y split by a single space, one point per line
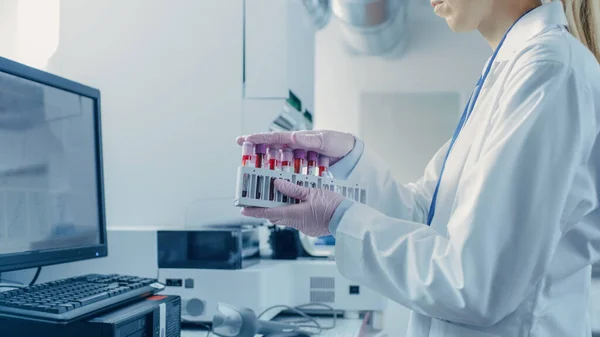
507 217
344 167
409 202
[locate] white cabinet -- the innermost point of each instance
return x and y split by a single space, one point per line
279 51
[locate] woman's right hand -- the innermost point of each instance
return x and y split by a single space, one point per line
333 144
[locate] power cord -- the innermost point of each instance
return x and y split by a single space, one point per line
208 329
299 323
35 277
16 285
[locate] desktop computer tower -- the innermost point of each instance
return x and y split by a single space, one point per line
156 316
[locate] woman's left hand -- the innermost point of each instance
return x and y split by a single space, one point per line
311 216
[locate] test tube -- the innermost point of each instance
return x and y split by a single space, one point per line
323 165
247 151
287 155
299 164
273 163
259 151
299 159
311 168
273 158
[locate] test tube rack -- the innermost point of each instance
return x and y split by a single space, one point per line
255 187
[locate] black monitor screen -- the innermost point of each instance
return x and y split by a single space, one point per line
49 190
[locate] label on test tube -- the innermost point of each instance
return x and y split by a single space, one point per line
259 152
311 167
247 151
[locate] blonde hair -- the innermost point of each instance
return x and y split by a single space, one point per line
584 22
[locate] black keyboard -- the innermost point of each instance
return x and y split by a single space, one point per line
76 297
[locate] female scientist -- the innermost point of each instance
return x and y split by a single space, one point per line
498 237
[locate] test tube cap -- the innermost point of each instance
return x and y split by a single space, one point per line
324 161
287 154
261 148
273 153
299 153
247 148
313 156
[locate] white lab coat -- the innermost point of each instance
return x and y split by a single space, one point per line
517 224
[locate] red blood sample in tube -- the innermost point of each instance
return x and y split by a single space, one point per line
247 151
312 169
260 150
299 158
273 164
287 155
273 158
323 165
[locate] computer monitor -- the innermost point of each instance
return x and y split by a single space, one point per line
51 181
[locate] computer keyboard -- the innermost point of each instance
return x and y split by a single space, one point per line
76 297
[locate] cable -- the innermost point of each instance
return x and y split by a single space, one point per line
35 277
297 311
330 308
33 280
307 318
208 328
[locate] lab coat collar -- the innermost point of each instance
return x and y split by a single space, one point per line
547 15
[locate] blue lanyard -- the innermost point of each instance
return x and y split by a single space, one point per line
465 116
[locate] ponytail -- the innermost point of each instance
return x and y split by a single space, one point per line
584 22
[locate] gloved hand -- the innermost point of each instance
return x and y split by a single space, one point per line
311 216
333 144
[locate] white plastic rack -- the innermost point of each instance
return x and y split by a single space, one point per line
255 187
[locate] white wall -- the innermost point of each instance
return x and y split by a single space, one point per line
8 28
29 30
170 74
435 60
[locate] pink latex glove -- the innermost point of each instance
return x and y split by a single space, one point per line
311 216
333 144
